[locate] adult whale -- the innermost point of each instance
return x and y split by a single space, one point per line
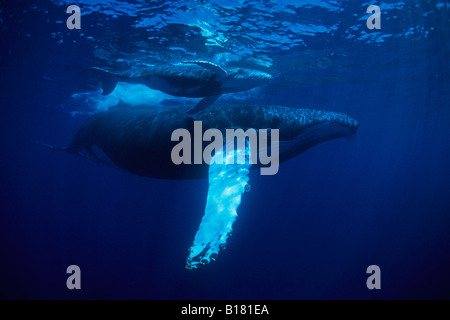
139 140
195 79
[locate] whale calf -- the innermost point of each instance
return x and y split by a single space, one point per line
138 140
195 79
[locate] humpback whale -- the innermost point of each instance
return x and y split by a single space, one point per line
195 79
138 140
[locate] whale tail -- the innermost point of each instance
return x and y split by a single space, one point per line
109 80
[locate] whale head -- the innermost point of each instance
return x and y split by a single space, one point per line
299 128
241 79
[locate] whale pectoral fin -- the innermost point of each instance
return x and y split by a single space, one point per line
220 73
227 182
203 104
109 80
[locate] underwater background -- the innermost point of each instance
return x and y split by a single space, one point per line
308 232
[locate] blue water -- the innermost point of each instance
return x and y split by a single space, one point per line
309 232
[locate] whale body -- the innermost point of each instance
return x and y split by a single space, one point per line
196 79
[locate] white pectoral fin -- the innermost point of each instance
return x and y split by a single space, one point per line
227 183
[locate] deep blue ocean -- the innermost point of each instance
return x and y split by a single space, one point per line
309 232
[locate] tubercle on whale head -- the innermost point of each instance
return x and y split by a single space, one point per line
290 121
298 129
330 117
299 119
302 129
